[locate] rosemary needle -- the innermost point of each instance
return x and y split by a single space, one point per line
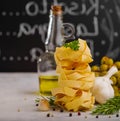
110 107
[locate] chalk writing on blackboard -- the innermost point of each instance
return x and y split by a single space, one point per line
36 7
107 26
85 10
81 28
27 29
83 31
33 53
94 20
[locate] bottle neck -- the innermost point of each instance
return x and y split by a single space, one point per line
55 32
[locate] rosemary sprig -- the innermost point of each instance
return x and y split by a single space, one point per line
37 100
110 107
50 99
74 45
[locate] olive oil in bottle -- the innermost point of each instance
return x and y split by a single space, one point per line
46 83
46 65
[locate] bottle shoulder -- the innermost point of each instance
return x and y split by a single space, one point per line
46 62
46 56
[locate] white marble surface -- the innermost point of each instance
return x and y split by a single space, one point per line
17 101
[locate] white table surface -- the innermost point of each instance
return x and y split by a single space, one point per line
17 101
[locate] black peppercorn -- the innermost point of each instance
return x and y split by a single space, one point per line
61 110
117 115
70 114
37 104
79 113
97 116
48 115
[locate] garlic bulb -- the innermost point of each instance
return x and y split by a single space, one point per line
102 89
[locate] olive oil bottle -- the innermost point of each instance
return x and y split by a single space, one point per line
46 65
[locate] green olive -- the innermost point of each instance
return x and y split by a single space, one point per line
110 62
116 91
118 81
103 73
97 74
114 80
95 68
117 63
104 67
117 74
104 59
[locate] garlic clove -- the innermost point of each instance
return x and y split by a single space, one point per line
43 105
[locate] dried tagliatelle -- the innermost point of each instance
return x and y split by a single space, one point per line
75 77
82 100
69 58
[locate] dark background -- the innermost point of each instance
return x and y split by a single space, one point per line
23 27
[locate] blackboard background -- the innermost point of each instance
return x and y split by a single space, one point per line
23 27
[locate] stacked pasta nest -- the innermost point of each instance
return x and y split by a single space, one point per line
75 78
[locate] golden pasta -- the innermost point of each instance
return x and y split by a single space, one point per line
75 78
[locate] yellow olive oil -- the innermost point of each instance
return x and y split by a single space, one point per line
46 83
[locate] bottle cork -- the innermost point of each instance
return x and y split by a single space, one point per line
57 9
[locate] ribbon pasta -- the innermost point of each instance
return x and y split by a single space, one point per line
75 78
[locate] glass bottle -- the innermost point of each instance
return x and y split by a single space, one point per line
46 65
